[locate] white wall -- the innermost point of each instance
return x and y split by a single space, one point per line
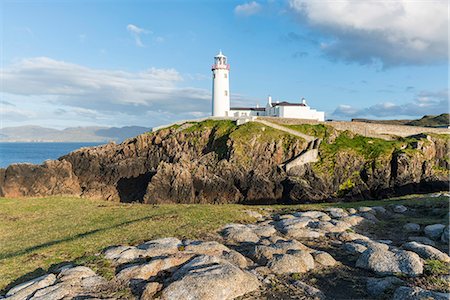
301 112
245 113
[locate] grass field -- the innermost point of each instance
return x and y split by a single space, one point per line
36 233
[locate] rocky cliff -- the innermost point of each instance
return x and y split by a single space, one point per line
219 162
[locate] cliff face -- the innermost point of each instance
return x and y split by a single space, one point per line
218 162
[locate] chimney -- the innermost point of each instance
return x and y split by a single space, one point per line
269 100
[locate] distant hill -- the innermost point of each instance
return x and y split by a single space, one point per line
31 133
441 120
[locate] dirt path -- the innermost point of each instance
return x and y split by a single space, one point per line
308 138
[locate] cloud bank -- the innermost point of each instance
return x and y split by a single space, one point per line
425 103
96 93
393 32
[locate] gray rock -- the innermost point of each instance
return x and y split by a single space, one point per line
26 289
299 262
123 254
313 214
209 278
310 291
353 220
160 247
411 227
434 231
213 248
336 212
416 293
263 230
399 209
370 216
262 254
445 235
239 233
146 270
76 273
376 287
303 233
365 209
55 292
300 222
379 210
323 258
351 236
352 211
385 262
150 290
354 248
422 239
426 252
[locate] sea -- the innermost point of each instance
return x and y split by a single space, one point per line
36 153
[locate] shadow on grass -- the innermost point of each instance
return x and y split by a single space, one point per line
78 236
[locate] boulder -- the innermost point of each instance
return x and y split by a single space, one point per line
426 252
123 254
351 236
422 239
313 214
146 270
352 211
160 247
209 278
365 209
445 235
254 214
336 212
399 209
239 233
303 233
353 220
354 248
296 262
76 273
379 210
150 290
323 258
376 287
411 227
263 230
416 293
26 289
385 262
434 231
56 292
310 291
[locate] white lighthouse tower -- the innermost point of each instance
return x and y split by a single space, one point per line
221 86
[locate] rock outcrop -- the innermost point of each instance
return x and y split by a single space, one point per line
219 162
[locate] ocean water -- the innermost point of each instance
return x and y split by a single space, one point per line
35 153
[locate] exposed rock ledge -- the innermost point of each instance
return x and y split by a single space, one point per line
248 261
218 162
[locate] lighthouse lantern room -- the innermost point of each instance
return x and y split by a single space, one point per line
221 86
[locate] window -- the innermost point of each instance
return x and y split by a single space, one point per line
214 75
225 75
226 93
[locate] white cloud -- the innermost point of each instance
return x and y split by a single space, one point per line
425 103
393 32
136 32
96 94
247 9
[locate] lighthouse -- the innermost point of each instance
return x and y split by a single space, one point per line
221 86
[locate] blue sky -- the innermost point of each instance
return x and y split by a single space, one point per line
117 63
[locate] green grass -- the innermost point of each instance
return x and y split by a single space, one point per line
317 130
36 233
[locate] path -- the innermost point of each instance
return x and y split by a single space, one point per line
306 137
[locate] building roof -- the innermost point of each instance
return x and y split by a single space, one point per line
284 103
248 108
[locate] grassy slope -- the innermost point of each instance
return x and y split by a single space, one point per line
36 233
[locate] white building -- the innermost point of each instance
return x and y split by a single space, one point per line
221 99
